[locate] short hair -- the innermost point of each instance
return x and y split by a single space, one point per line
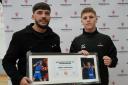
41 5
87 10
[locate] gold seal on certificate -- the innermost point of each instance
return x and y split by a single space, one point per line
62 68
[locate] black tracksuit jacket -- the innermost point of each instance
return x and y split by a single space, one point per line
100 44
24 41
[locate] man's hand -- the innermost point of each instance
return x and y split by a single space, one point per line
84 52
25 81
107 60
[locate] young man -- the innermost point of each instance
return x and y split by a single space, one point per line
93 41
36 37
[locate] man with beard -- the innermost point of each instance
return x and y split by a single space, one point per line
36 37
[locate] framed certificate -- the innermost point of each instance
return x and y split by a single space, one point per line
62 68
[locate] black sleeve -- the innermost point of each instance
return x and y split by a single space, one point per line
112 53
10 58
73 48
57 43
58 49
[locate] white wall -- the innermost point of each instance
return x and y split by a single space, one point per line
112 20
2 34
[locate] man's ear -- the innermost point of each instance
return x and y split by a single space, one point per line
96 19
81 22
50 17
33 17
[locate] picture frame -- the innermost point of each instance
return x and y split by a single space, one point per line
62 68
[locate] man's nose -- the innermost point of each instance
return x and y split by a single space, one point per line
88 19
43 15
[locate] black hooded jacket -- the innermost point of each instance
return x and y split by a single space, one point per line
27 40
100 44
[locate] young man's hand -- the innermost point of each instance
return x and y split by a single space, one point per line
107 60
84 52
25 81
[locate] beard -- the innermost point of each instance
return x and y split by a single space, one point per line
45 26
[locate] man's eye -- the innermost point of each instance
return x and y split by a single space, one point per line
39 12
85 18
47 13
91 17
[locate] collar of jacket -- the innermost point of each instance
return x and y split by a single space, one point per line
90 33
29 29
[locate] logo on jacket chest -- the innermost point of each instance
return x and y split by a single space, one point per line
53 45
100 45
83 46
